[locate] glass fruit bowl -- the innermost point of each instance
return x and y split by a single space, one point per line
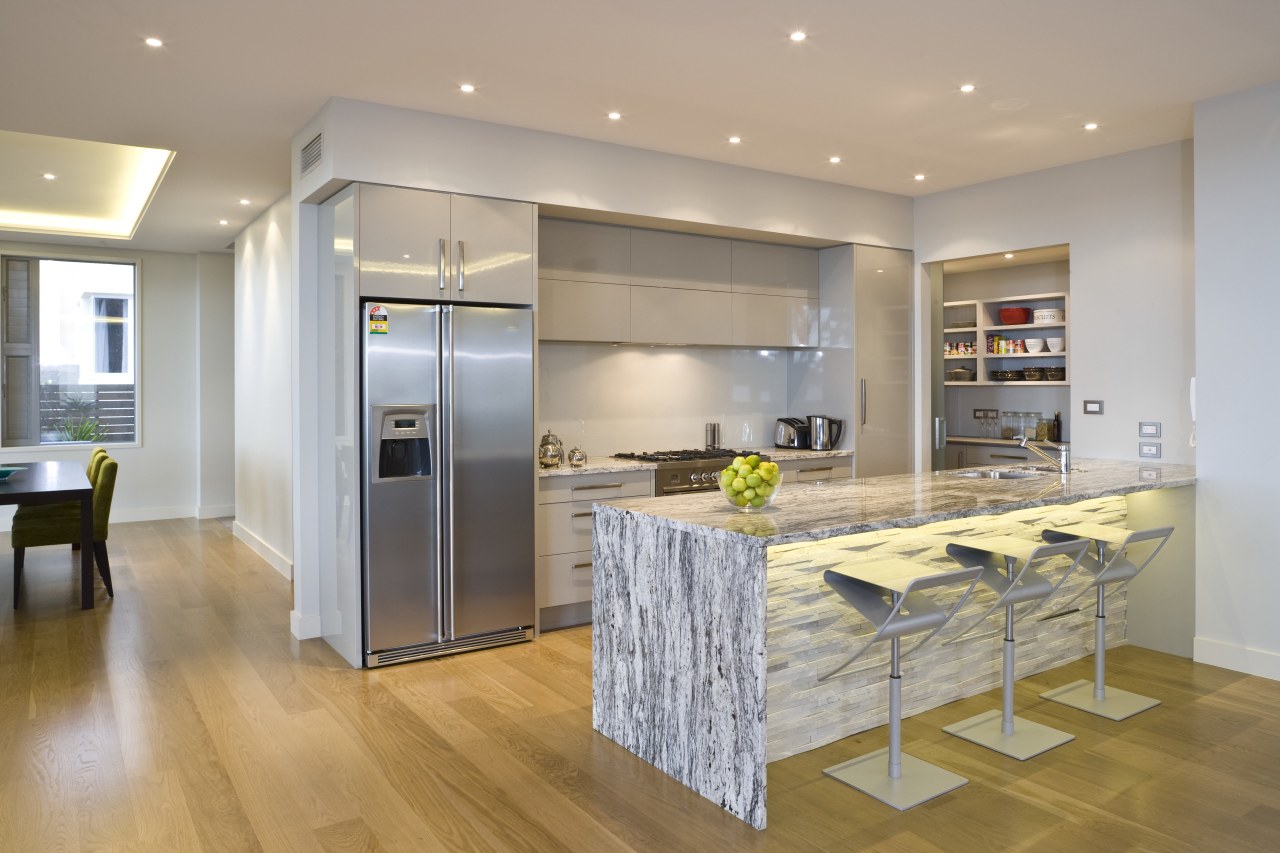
750 484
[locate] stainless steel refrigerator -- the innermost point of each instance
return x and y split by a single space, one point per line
448 497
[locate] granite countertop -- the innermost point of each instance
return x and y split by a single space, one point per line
809 511
609 465
997 442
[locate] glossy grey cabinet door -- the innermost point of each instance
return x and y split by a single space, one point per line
687 261
773 270
584 251
492 248
399 238
882 320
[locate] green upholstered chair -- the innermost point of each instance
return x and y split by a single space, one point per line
64 528
31 511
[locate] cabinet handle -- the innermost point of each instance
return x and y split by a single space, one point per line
862 396
592 488
813 470
444 262
581 515
1008 456
462 266
580 566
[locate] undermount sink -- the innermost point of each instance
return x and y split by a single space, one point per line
997 474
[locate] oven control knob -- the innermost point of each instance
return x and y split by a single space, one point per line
708 476
693 477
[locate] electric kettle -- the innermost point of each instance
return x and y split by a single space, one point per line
825 432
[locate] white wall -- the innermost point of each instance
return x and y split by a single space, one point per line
263 399
215 476
606 399
1237 172
1127 219
157 477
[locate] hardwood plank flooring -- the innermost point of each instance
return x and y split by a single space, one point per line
182 716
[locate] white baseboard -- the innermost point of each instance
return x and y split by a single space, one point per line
124 515
274 558
216 511
1259 662
304 626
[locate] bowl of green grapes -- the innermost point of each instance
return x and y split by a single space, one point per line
750 483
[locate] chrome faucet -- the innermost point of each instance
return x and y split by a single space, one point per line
1063 462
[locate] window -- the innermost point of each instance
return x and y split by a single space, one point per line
68 351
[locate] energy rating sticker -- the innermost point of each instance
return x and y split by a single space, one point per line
379 323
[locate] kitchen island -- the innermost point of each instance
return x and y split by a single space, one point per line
711 626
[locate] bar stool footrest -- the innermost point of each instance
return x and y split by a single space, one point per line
1118 704
1027 740
920 781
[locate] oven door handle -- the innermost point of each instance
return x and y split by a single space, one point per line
679 490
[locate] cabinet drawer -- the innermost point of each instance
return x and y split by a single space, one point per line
564 579
595 487
562 528
812 470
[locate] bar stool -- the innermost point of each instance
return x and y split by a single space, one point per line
1114 704
998 556
891 595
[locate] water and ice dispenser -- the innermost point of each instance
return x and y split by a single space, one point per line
404 444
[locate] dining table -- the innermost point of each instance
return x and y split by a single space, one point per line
51 482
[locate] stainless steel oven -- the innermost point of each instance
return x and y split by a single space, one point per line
681 472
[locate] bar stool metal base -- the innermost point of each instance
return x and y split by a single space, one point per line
920 781
1027 739
1117 705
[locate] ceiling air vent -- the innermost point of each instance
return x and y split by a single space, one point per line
311 153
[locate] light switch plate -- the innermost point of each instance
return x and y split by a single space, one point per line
1150 473
1148 429
1149 449
1093 407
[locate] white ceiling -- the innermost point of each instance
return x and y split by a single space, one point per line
875 83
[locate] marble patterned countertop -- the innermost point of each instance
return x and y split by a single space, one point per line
808 511
609 465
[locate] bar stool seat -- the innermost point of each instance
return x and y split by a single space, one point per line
1116 569
999 557
892 595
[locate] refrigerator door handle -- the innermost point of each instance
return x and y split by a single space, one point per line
462 266
443 264
447 465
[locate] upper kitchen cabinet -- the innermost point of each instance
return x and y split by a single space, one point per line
584 251
417 244
687 261
774 270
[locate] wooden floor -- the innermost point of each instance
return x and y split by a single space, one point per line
182 716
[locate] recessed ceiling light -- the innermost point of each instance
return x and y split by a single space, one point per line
50 176
244 201
222 222
799 35
833 160
1008 256
467 87
967 88
154 42
919 177
879 270
734 140
1093 125
406 257
615 115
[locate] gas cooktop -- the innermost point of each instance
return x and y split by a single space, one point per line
680 455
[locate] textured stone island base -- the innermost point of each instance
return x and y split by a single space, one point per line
712 627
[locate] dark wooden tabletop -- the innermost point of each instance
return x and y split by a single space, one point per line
45 482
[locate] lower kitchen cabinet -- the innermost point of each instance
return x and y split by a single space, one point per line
816 470
974 455
562 537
